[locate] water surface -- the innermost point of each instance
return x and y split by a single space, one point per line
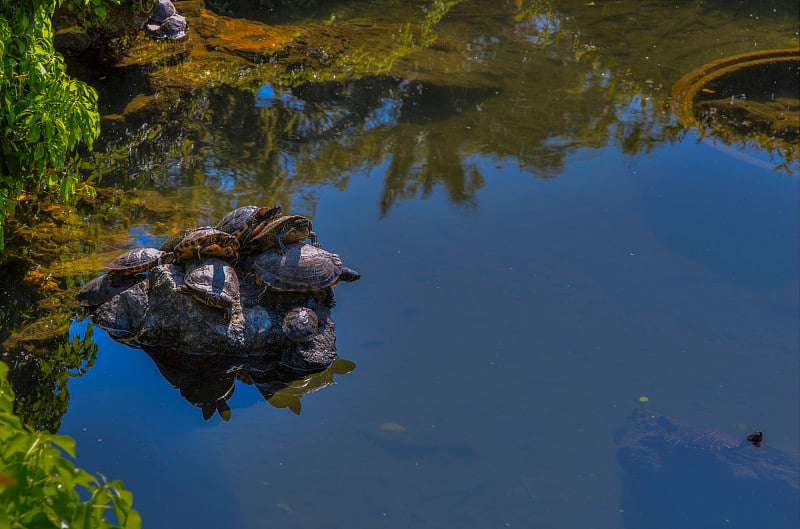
540 245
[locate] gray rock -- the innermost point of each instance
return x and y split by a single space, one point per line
157 312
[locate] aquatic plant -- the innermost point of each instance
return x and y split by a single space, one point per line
40 487
44 113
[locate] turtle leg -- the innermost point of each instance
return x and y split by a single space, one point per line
281 246
196 252
312 236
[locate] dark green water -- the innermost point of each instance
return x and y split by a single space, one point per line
540 246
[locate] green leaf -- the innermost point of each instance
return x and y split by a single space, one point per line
66 443
33 134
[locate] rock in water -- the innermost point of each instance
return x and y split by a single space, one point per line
676 477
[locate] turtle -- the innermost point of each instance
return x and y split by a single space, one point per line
164 22
207 242
282 231
300 324
212 282
135 261
302 268
247 221
173 28
681 476
122 273
162 11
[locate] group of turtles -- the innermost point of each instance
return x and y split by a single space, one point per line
273 246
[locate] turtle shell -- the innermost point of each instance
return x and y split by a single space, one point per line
212 282
135 261
207 242
162 11
173 28
303 268
247 221
284 230
301 324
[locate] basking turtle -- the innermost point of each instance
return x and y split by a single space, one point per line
135 261
282 231
247 221
301 324
162 11
165 23
174 28
207 242
302 268
123 273
678 476
214 283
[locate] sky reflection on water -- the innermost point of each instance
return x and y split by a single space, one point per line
510 345
540 246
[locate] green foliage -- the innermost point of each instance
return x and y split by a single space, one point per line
44 114
41 488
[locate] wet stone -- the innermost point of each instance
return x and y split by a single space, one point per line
220 309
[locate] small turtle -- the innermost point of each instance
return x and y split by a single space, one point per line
247 221
173 28
123 273
135 261
214 283
302 268
300 324
162 11
207 242
681 476
282 231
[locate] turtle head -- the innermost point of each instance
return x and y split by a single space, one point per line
265 214
302 223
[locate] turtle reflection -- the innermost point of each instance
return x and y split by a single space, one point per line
209 381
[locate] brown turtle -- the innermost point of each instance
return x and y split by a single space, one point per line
207 242
302 268
247 221
123 273
284 230
135 261
212 282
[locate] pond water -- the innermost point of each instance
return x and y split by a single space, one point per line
541 245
